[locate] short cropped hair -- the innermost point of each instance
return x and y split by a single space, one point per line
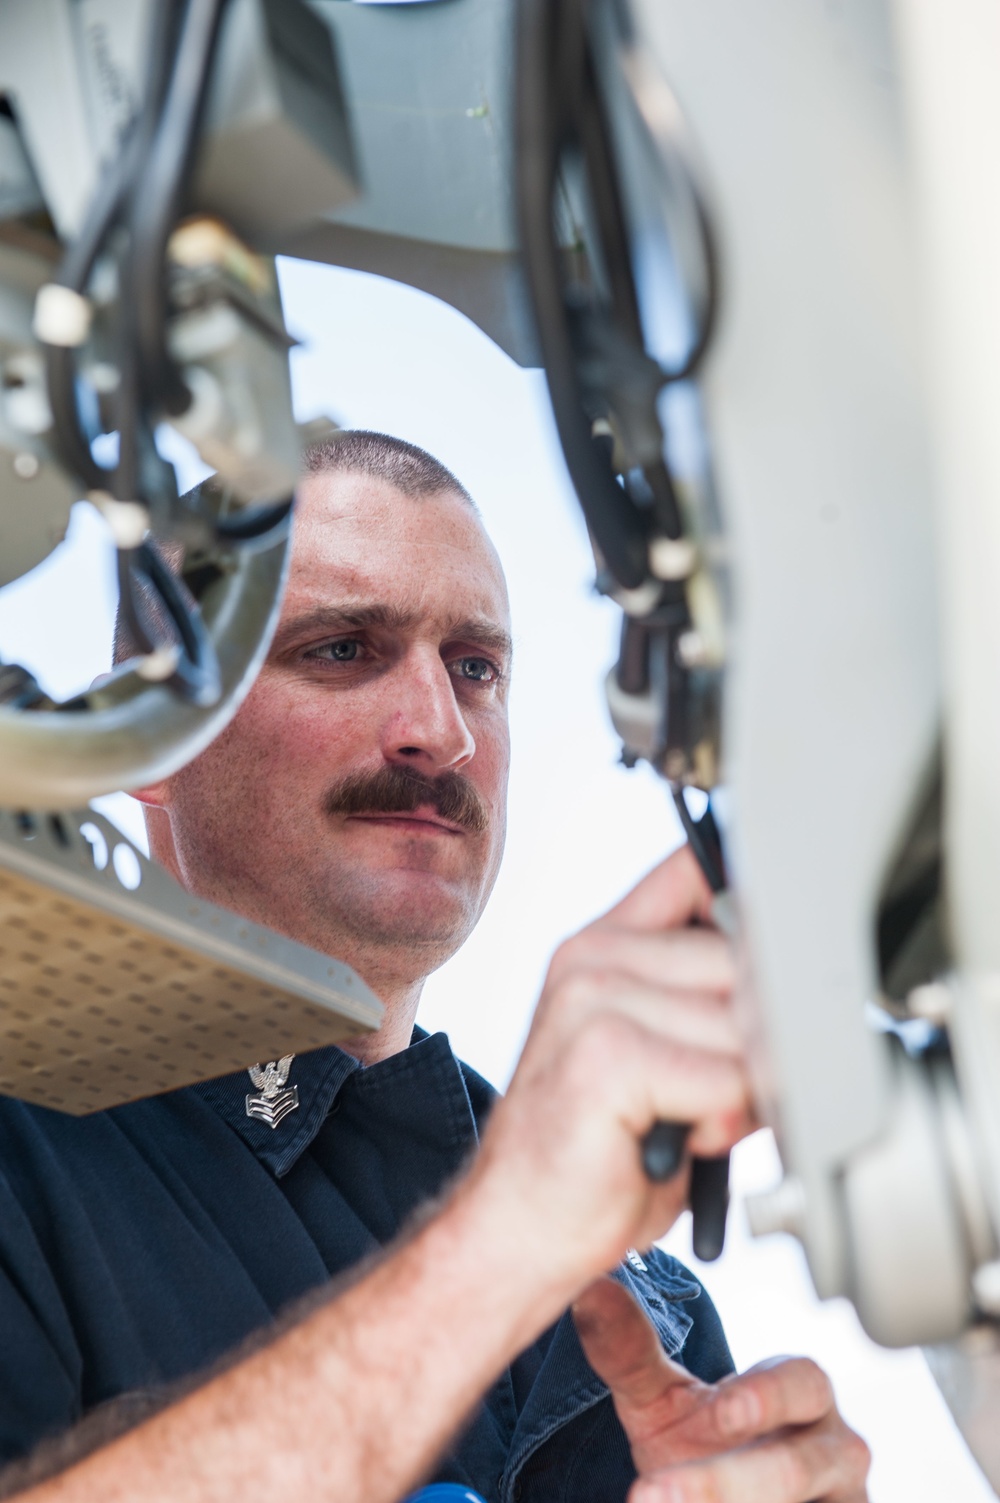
361 452
356 451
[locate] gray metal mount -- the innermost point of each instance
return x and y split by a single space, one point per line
110 992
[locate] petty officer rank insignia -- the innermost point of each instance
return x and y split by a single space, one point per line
275 1098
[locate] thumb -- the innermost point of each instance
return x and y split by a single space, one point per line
624 1350
668 897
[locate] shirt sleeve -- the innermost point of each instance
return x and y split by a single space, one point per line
39 1358
705 1352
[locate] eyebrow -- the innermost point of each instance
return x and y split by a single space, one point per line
380 616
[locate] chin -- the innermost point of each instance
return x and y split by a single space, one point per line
409 907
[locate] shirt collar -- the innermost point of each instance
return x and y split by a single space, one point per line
319 1076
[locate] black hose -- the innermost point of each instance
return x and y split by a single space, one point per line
197 676
618 527
158 201
593 350
255 524
710 312
144 190
103 214
60 363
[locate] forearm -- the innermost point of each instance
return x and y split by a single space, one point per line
357 1400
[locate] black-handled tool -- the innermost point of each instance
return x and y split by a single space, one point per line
709 1197
664 1144
662 1156
663 1150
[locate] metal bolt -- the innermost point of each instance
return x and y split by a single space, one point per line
931 1002
159 664
104 377
128 520
671 558
25 465
986 1288
62 316
779 1210
691 649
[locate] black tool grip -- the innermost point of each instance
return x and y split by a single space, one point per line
664 1144
663 1150
662 1156
709 1197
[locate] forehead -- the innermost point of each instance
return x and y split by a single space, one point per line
359 538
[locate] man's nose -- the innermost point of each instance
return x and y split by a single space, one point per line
425 727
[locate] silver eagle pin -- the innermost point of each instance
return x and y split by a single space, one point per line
276 1099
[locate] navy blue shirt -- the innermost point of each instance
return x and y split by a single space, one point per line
140 1244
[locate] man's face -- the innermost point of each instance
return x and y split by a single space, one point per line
311 813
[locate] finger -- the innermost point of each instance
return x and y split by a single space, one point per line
780 1392
694 959
653 1078
624 1350
573 1118
632 1068
690 1019
671 1082
671 895
823 1462
606 1065
652 1395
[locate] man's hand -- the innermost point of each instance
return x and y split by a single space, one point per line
633 1025
772 1435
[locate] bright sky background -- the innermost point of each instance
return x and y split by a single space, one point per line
378 355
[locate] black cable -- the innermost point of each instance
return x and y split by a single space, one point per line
591 129
74 272
591 348
154 161
198 669
709 250
593 352
103 214
144 189
703 838
19 689
632 668
158 202
617 525
254 524
900 915
130 618
148 377
197 676
710 312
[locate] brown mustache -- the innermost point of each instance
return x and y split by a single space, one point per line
397 790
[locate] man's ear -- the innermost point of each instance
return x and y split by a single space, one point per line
154 795
155 802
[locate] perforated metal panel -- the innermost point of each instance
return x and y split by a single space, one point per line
110 992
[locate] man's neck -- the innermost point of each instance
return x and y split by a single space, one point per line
397 1027
400 996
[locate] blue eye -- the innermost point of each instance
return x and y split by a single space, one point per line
480 670
344 651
